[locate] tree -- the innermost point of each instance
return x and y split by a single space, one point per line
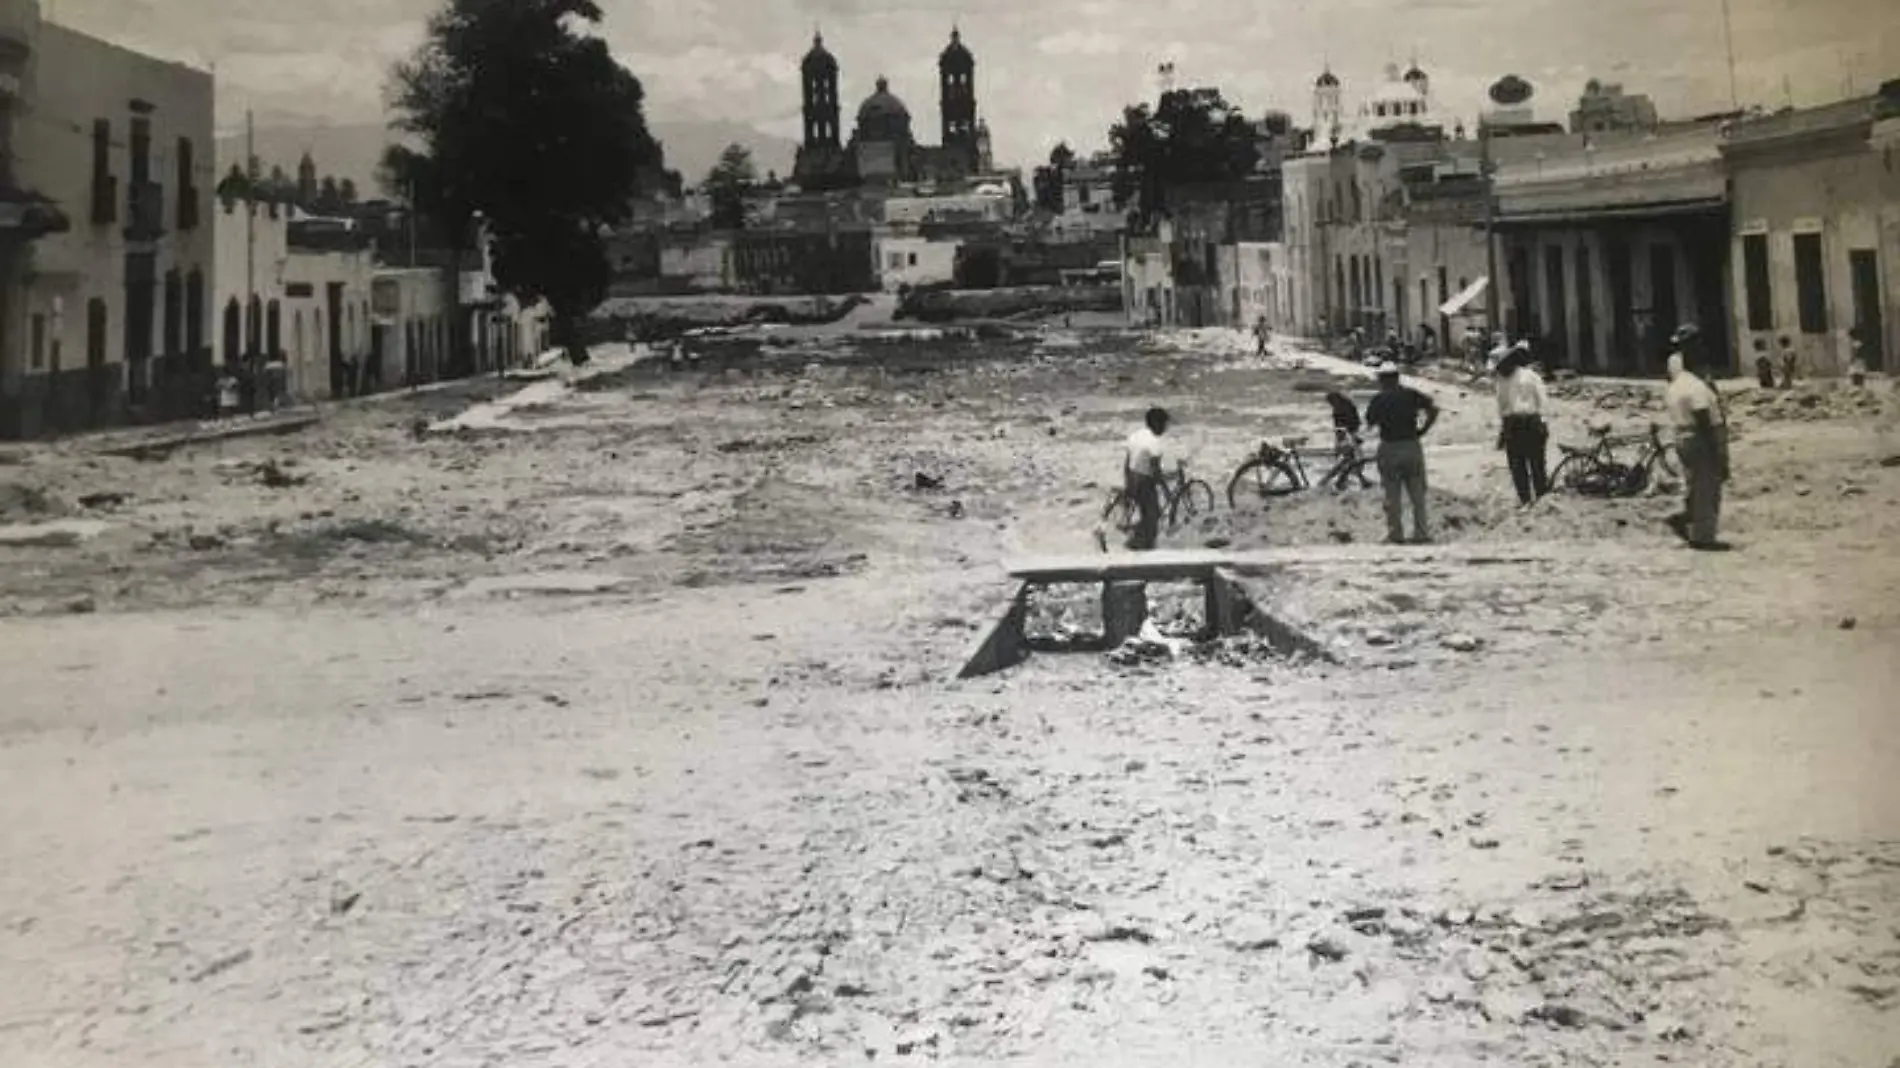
1192 135
726 185
329 198
346 192
519 113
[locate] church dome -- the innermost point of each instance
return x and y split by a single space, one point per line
1414 75
819 59
1327 80
882 105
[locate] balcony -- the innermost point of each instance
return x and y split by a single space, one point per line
145 211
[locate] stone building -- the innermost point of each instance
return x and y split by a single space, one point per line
1816 205
1606 107
883 149
106 255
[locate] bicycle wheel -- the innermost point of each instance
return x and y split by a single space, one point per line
1571 472
1266 479
1120 512
1196 498
1664 461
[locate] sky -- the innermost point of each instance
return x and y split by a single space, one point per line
1057 69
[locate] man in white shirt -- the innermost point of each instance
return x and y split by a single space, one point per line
1701 430
1141 474
1522 432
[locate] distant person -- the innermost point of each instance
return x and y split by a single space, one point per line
1764 364
1522 432
1141 476
1788 361
1396 410
1701 429
1856 364
1261 335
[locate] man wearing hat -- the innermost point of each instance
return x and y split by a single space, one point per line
1397 410
1522 433
1701 429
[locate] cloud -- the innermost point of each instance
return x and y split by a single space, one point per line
1054 72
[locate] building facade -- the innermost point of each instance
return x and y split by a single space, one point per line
883 149
1816 240
1606 107
106 248
1609 244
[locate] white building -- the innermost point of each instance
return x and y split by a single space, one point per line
913 261
106 258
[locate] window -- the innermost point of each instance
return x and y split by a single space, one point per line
1810 283
1586 311
39 342
105 206
1761 309
187 187
194 312
913 259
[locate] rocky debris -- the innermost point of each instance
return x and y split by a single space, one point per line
1461 643
55 534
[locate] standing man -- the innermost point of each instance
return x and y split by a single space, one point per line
1261 335
1396 410
1141 474
1701 442
1523 434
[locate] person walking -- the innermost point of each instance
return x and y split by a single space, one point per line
1701 429
1141 475
1522 432
1396 410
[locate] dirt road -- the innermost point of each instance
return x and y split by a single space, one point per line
632 738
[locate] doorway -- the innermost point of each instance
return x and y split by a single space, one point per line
141 280
1863 267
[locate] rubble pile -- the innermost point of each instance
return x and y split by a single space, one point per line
1813 402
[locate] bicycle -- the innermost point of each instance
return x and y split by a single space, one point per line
1182 498
1277 471
1595 470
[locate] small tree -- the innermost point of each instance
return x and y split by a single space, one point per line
1049 180
522 114
726 185
329 198
346 193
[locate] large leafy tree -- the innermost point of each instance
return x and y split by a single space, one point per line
518 113
726 186
1190 135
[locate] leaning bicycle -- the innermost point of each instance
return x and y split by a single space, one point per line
1596 470
1182 499
1278 470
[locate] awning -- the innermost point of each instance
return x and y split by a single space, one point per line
1463 300
1707 207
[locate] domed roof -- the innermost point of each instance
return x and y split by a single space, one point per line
1415 74
1326 80
819 58
882 105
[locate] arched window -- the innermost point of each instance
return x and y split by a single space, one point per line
233 332
273 330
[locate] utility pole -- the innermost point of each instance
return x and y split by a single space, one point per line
1728 35
250 229
1488 171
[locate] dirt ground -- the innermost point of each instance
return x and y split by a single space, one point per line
616 722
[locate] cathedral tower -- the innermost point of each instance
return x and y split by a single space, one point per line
820 79
956 71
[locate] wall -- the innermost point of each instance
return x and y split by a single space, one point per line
1255 284
69 81
308 276
1148 279
914 210
913 261
252 242
1455 248
704 264
1849 193
412 320
1307 184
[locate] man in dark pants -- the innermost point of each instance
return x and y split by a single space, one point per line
1396 410
1701 427
1523 434
1141 472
